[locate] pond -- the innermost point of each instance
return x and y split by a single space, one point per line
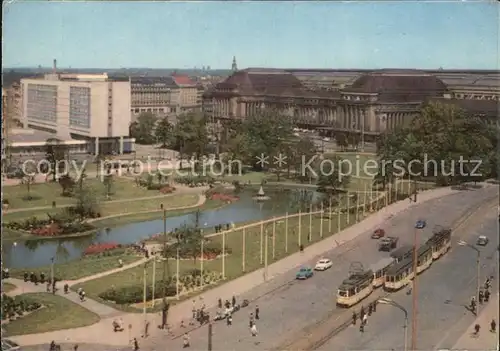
36 253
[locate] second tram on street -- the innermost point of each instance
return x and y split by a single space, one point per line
404 252
440 242
379 270
355 288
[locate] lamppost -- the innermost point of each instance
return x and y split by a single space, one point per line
387 301
478 265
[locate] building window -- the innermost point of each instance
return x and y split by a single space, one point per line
41 102
79 107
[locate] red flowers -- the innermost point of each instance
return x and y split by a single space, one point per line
100 248
167 190
47 230
224 197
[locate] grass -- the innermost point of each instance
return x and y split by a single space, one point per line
233 263
44 193
6 287
58 313
80 268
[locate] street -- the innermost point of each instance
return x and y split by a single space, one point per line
443 292
294 305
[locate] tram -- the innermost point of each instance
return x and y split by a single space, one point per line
399 275
355 288
404 252
379 270
440 242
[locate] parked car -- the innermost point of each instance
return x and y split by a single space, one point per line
378 233
323 264
304 273
420 224
388 244
482 240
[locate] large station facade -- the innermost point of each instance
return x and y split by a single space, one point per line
368 102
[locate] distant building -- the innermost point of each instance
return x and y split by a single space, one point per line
359 101
234 66
90 107
164 96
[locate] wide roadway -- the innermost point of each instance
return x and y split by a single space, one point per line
288 306
443 292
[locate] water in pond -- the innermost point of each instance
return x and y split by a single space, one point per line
39 252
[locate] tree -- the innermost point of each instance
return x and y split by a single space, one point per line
86 203
164 132
108 184
341 141
67 184
300 153
190 136
438 138
332 175
143 129
55 152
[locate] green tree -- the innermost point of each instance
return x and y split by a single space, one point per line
191 137
87 205
164 132
332 175
67 184
143 129
55 152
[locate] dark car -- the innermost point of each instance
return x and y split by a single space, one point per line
378 233
482 241
388 244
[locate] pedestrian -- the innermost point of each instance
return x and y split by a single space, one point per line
54 286
362 312
370 309
481 297
234 301
25 276
361 327
477 327
229 320
354 318
301 248
164 316
493 326
486 296
42 277
136 345
185 340
52 346
75 348
227 304
253 329
257 311
219 302
365 319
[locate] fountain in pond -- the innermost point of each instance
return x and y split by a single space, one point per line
261 196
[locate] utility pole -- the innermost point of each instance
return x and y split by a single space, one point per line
210 336
414 293
164 276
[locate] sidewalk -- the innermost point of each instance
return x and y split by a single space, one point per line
101 330
486 340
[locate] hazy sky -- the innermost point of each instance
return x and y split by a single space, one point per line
260 34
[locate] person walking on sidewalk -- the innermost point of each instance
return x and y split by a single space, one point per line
493 326
257 311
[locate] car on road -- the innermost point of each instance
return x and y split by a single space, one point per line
378 233
482 240
9 345
323 264
420 224
304 273
388 244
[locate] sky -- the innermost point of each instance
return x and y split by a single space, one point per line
310 34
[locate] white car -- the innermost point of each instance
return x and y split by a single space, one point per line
323 264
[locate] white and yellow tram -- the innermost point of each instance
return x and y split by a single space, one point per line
354 289
379 270
401 254
399 275
440 242
424 258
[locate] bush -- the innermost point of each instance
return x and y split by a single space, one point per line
17 306
5 202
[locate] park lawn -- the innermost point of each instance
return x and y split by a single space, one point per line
58 313
169 202
44 193
6 287
233 262
80 268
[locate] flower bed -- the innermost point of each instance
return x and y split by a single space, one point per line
95 249
224 197
167 190
188 281
48 227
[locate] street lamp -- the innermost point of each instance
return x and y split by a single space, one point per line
387 301
478 265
